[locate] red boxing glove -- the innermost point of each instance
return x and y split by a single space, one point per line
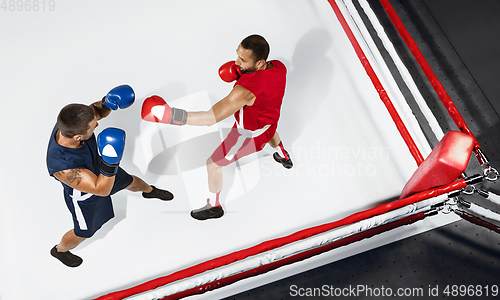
155 109
229 71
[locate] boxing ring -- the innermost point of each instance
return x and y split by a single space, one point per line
354 141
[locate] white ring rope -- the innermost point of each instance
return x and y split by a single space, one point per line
494 198
288 250
386 78
484 212
403 71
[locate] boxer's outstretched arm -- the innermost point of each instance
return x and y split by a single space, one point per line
237 98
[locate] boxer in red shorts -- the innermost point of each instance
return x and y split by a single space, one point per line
255 101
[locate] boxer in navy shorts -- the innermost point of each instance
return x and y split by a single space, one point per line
88 168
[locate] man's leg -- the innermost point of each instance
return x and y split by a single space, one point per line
275 141
281 155
213 209
138 185
148 191
69 241
235 146
215 177
61 251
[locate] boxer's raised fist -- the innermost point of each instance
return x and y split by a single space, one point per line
229 72
111 143
121 96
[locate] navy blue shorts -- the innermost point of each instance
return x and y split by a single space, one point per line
90 212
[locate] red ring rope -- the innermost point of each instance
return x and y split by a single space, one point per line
436 84
378 86
279 242
297 257
478 221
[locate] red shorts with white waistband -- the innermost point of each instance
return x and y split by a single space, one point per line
236 146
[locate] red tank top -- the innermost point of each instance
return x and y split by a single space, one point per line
268 86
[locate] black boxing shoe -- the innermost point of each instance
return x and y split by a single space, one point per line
67 258
287 163
207 212
160 194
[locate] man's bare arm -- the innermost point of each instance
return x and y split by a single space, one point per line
100 111
237 98
86 181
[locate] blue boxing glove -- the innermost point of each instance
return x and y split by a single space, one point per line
111 143
119 97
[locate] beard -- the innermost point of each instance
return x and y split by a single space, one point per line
249 70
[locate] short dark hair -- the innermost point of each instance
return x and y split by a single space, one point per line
258 45
74 119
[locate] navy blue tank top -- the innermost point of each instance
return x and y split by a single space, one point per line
62 158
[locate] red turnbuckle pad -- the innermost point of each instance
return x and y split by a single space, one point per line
447 161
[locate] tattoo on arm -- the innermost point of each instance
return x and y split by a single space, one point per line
70 176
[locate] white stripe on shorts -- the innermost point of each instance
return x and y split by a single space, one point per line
244 134
77 196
